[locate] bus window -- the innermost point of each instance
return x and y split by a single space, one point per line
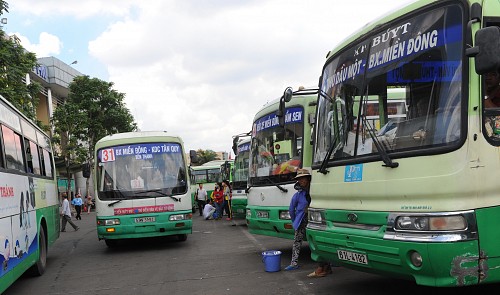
46 164
32 157
13 150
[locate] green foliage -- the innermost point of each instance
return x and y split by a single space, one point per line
205 156
15 64
4 7
94 110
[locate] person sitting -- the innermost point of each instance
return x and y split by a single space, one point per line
208 210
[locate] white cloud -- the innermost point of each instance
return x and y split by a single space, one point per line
202 69
48 44
75 8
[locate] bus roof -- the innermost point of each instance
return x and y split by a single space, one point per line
141 136
302 96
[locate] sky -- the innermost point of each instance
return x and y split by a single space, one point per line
198 69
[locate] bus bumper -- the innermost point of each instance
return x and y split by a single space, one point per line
266 221
130 229
443 264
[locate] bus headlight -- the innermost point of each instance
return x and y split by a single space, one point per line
177 217
285 215
431 223
249 213
317 219
108 222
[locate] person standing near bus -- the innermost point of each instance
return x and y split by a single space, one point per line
78 202
226 191
201 197
219 199
89 203
298 213
66 214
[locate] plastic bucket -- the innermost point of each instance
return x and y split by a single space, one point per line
272 260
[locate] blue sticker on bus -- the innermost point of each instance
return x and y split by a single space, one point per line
353 173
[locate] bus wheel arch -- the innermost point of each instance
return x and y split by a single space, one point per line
40 265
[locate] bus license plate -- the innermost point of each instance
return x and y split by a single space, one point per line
352 256
145 219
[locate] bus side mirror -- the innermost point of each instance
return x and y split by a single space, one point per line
193 156
486 53
235 145
287 96
86 170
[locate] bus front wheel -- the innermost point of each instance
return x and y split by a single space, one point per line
111 243
182 238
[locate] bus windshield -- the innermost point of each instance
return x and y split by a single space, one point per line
241 166
394 93
129 171
276 152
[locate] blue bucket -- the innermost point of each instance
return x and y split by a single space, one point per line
272 260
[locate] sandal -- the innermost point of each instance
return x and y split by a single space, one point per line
315 274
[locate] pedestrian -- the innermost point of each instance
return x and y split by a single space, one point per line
66 214
208 210
298 213
201 197
219 199
77 202
226 191
89 203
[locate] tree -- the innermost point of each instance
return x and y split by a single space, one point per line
4 6
205 156
67 120
96 110
15 64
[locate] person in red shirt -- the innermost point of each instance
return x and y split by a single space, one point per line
219 199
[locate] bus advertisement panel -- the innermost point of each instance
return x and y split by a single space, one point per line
29 208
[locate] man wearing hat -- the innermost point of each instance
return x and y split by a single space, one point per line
298 213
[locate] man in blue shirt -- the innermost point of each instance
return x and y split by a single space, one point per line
77 202
298 213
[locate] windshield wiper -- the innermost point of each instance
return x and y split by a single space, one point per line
332 149
277 185
116 202
159 191
380 147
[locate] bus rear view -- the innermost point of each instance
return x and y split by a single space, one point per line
141 187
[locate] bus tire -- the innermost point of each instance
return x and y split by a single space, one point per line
41 264
182 238
111 243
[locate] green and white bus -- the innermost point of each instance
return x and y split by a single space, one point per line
281 144
416 197
209 174
240 176
142 187
29 205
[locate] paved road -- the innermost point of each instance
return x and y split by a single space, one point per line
220 257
